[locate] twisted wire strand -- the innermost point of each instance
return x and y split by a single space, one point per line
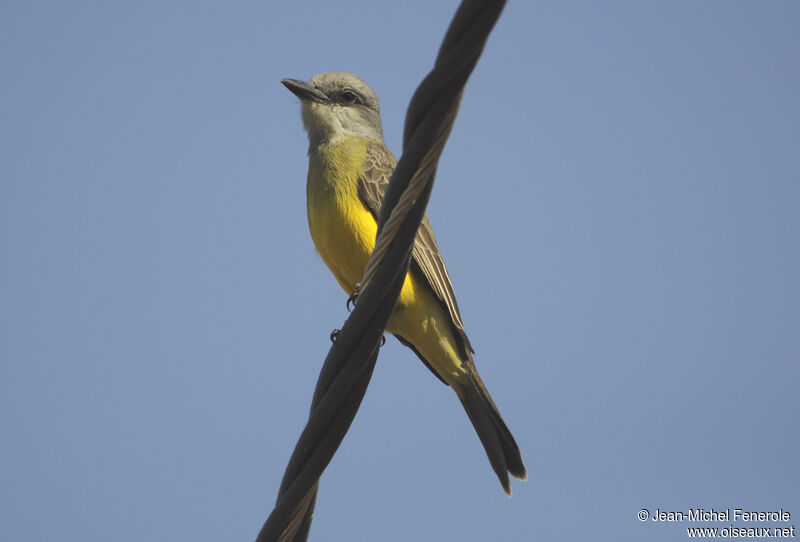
348 366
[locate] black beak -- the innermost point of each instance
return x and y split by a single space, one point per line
304 91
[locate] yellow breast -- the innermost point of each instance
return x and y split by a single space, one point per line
343 230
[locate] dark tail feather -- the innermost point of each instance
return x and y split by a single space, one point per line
497 440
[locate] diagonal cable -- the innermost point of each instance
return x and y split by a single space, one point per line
349 364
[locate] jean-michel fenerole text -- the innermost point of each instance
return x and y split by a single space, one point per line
728 514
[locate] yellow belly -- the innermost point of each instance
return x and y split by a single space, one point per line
343 231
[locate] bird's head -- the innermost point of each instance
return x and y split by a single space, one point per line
337 104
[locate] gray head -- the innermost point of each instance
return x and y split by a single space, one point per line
337 104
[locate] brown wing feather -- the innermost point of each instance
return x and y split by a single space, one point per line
427 264
426 259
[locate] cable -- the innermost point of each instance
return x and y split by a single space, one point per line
348 366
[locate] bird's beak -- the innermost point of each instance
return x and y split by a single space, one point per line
304 91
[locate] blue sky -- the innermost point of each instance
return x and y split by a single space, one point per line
617 206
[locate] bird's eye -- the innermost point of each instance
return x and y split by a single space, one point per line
349 97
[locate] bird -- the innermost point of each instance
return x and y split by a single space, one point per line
349 168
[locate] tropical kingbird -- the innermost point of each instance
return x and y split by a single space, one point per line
349 168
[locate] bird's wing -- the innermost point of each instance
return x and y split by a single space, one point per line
426 258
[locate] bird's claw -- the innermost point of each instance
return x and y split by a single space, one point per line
351 301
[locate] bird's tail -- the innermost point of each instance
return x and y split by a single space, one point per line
497 440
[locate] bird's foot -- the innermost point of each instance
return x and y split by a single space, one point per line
351 301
